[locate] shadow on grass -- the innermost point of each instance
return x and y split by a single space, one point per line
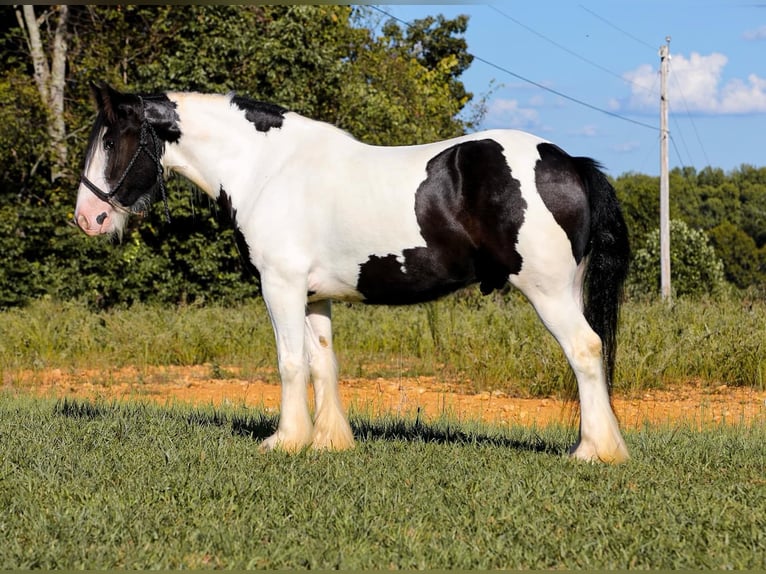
259 425
450 432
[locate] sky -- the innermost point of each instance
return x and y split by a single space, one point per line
605 55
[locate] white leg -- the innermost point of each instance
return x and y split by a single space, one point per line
286 303
331 428
600 438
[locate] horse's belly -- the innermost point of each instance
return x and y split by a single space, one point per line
325 286
418 274
413 276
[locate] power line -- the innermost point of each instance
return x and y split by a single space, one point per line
678 153
536 84
680 91
626 33
688 115
565 49
565 96
683 139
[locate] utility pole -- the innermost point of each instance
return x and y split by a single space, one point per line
664 175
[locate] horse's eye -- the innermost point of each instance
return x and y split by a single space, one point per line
108 144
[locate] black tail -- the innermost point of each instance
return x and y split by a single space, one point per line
608 260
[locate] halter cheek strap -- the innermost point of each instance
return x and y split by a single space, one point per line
147 132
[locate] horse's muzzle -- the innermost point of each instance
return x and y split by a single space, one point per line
81 221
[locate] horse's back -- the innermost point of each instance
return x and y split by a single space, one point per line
409 224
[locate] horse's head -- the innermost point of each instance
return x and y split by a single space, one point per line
123 170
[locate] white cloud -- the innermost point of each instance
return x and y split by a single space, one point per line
588 131
509 113
696 84
740 96
627 146
755 34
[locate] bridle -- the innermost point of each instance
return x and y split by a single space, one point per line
147 136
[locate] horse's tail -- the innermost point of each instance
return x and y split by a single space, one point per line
608 259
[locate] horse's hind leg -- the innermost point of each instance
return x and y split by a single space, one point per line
561 311
331 428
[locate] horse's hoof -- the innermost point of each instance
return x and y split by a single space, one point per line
588 452
279 442
340 441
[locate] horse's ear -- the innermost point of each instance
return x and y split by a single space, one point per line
102 94
107 99
163 118
115 105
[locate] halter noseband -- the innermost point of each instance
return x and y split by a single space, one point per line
147 133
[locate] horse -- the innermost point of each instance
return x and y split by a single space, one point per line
322 216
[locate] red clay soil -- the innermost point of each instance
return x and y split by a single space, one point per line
689 403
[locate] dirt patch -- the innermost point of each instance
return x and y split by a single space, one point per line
691 403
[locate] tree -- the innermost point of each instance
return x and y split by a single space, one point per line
312 59
639 196
49 77
388 87
695 266
743 261
24 143
432 41
752 185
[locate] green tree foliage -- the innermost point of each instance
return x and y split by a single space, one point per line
23 141
322 61
640 198
433 41
744 263
400 85
729 208
694 265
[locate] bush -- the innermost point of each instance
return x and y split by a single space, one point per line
695 268
191 259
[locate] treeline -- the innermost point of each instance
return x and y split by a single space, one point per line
718 231
381 82
334 63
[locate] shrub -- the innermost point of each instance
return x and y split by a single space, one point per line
695 268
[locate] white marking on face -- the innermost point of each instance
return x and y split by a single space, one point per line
91 214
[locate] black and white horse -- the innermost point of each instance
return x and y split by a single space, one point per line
323 216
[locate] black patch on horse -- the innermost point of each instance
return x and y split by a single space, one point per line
557 176
227 209
160 111
469 210
263 116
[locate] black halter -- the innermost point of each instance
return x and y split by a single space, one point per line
147 135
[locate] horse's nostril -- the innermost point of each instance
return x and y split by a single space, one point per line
82 222
100 219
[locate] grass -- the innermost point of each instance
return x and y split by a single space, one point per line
494 342
132 485
105 485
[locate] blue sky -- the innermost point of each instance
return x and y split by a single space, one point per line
606 53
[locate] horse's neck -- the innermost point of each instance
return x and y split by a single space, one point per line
220 145
214 136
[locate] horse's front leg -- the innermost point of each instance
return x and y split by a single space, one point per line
331 428
286 303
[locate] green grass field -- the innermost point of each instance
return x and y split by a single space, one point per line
101 485
133 485
494 342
